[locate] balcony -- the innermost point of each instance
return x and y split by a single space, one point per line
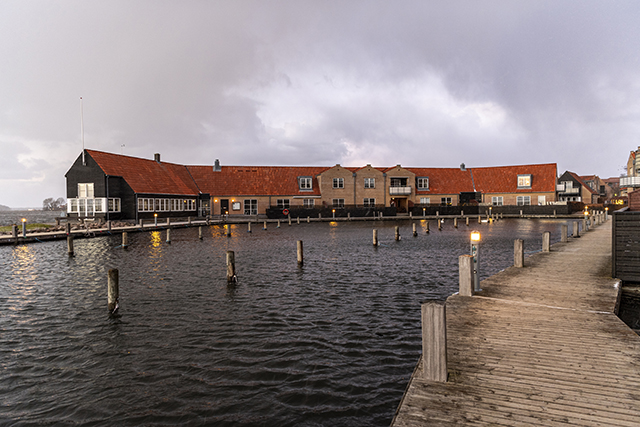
400 191
630 181
564 189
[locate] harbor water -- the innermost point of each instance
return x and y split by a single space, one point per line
333 342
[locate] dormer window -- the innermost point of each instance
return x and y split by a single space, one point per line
422 183
524 181
304 183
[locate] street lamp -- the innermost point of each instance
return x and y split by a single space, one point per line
24 227
475 241
334 214
155 219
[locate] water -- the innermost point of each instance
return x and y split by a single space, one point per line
332 343
32 216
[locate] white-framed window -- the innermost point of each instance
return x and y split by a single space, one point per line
425 200
305 183
422 183
145 204
369 202
523 200
114 205
338 182
542 200
190 204
524 181
72 206
282 203
445 201
308 203
497 200
369 183
85 191
251 207
176 205
338 203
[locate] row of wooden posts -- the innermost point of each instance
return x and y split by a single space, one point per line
434 327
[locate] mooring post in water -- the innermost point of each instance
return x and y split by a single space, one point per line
410 214
200 232
555 215
249 227
278 226
546 243
141 223
168 235
308 219
125 239
113 290
479 219
518 253
289 218
189 220
168 222
576 233
434 341
439 224
375 237
397 232
349 216
564 233
455 222
264 226
584 225
70 244
298 220
465 269
231 267
467 221
300 253
14 232
426 228
415 232
109 226
67 228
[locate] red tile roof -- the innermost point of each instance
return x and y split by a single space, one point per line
444 180
147 176
255 180
504 179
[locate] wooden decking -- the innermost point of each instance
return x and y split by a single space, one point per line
540 345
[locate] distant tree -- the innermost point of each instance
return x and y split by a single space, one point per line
51 204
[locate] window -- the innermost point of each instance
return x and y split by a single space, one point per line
523 200
369 203
176 205
283 203
338 182
445 201
423 183
85 191
114 205
369 183
304 183
497 201
145 205
308 203
190 204
251 207
399 182
338 203
542 200
425 200
524 181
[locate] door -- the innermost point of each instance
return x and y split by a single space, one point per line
224 206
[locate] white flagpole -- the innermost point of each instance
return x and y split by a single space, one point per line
82 131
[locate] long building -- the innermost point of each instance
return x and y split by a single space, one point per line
113 186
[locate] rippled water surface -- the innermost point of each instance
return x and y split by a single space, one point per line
331 343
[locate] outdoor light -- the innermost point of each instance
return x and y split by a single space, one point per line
155 219
24 227
475 240
424 210
334 214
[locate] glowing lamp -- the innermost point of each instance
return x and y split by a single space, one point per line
475 236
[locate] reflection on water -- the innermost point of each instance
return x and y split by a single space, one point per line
330 343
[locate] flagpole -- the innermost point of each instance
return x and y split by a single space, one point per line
82 131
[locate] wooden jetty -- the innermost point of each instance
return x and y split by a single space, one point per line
539 345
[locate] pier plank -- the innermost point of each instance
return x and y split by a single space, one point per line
539 345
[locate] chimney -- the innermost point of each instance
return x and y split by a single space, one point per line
463 167
216 166
156 157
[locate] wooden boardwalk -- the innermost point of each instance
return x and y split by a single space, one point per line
540 345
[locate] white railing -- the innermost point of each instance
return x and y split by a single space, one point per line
630 181
562 189
400 191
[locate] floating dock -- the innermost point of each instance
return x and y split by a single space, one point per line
539 345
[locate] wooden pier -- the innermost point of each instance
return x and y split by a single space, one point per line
539 345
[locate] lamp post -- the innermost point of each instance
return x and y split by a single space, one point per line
334 214
24 227
475 241
424 210
606 213
155 219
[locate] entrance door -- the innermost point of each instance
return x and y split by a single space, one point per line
224 206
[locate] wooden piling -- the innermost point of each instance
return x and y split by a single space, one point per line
109 226
300 253
298 220
434 341
231 267
278 225
113 290
375 237
70 244
228 229
289 217
426 223
518 253
14 232
264 227
479 219
308 219
200 232
467 221
189 220
564 233
397 232
576 233
415 232
584 225
439 224
125 239
168 222
465 270
546 241
168 235
141 223
249 227
67 228
455 222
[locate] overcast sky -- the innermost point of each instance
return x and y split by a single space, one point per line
417 83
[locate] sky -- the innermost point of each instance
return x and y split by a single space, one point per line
254 82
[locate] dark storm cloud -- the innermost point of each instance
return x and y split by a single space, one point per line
419 83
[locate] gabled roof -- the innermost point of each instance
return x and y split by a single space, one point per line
584 184
255 180
504 179
445 180
147 176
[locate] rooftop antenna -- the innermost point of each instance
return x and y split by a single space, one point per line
84 163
